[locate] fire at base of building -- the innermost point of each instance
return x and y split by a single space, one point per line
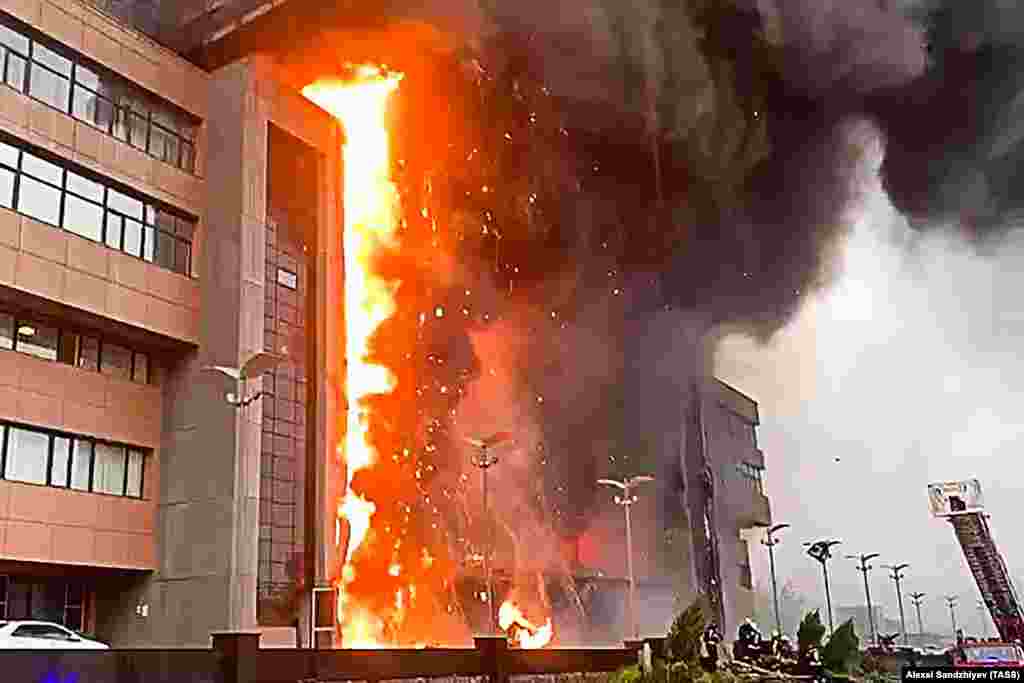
179 514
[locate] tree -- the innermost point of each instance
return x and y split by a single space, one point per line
840 653
810 633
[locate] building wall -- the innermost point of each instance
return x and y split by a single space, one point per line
194 533
208 571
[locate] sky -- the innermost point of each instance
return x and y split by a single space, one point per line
906 371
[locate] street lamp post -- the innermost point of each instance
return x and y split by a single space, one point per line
951 602
897 576
822 552
981 618
626 500
770 541
917 598
485 460
863 567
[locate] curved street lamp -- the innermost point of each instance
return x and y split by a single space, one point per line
897 576
770 541
821 551
626 500
863 567
485 460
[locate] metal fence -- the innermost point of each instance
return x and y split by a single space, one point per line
237 658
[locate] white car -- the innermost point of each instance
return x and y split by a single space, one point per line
43 635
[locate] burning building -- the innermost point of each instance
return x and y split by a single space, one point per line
234 195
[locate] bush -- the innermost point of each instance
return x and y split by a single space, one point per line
629 674
810 633
841 652
682 645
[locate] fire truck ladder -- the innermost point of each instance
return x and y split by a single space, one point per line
990 574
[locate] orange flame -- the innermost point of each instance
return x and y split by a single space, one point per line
371 221
524 633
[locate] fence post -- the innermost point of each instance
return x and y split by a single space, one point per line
492 651
636 646
238 652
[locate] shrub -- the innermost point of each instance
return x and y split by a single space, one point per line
682 645
810 633
841 651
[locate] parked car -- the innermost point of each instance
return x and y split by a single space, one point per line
43 635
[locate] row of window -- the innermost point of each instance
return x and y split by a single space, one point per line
752 473
54 194
83 351
58 77
36 456
43 599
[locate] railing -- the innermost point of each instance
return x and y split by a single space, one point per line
237 658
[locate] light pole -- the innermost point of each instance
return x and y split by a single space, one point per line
626 500
822 552
951 602
982 608
485 460
917 598
863 567
770 541
897 576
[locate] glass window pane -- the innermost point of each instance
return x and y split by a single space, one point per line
13 40
114 230
9 155
163 145
81 462
188 157
27 453
48 57
140 373
132 237
83 218
134 474
16 68
89 353
37 340
164 249
6 331
85 187
186 229
149 244
127 205
120 129
181 264
61 460
68 351
50 88
41 169
87 77
139 129
39 201
6 188
116 361
109 469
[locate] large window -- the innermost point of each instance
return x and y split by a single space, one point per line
48 599
63 79
752 473
57 195
28 335
38 456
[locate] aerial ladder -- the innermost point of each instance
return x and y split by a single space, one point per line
961 503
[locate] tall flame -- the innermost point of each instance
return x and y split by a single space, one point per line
371 221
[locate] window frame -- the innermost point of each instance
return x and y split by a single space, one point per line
155 112
73 440
19 319
154 220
